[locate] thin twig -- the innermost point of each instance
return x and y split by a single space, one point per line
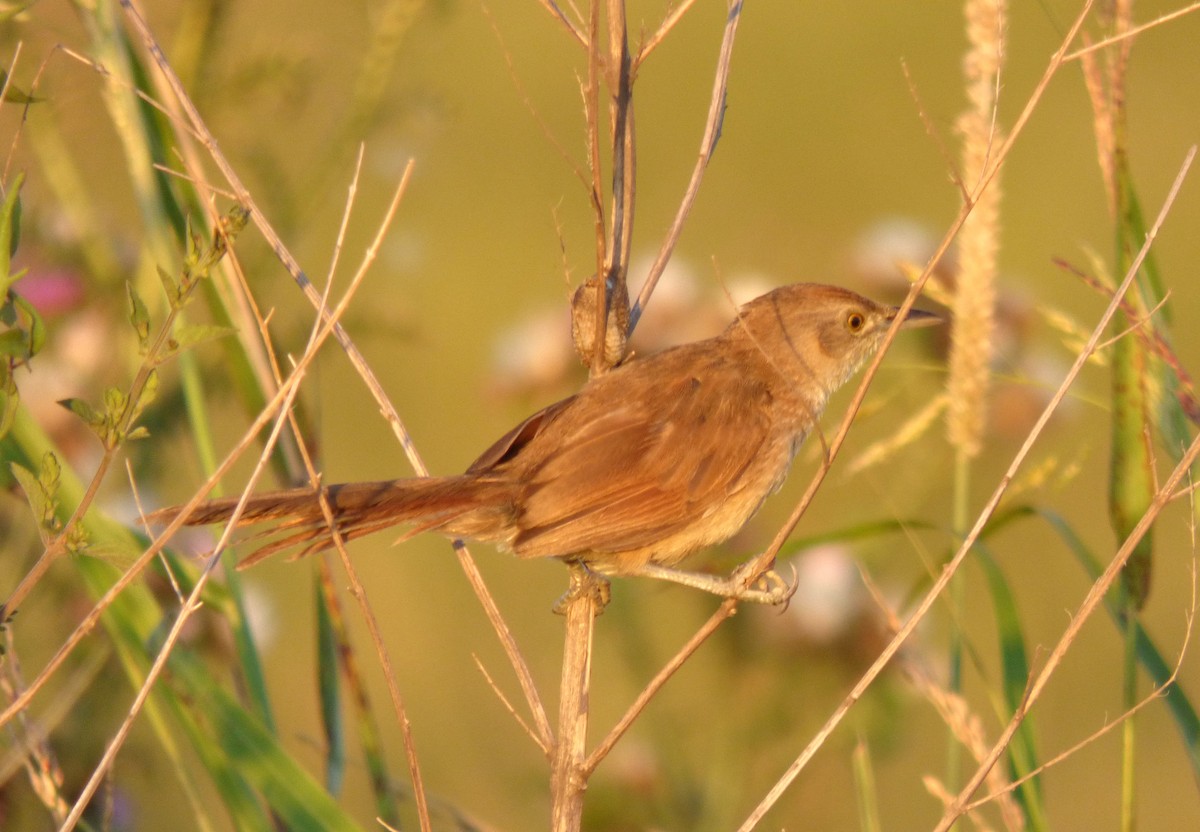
390 414
1136 30
10 73
568 781
620 84
523 92
1154 696
560 16
935 134
508 706
985 515
1096 594
669 22
591 117
359 591
948 571
708 144
193 602
723 613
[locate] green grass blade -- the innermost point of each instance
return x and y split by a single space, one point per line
293 795
329 687
1187 723
1014 663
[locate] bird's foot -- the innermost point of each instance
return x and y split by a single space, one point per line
585 583
769 587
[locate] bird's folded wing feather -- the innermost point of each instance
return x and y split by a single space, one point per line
635 474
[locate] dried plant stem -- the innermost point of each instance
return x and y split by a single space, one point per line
1091 602
974 303
764 561
722 614
474 578
669 22
568 776
1133 31
568 773
284 401
708 143
360 595
624 166
567 23
1154 696
984 516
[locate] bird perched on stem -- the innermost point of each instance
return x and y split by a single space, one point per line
649 463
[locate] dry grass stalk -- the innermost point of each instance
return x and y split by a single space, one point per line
708 143
978 243
571 765
197 126
1130 32
323 327
943 580
967 728
938 789
1151 698
914 428
1099 589
1091 603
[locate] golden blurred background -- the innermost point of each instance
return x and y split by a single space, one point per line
825 171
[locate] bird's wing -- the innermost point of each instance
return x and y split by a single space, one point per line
510 444
634 474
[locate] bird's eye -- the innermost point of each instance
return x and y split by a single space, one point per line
855 321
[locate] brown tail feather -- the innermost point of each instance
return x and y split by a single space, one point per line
464 506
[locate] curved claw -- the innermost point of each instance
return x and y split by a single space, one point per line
768 588
585 583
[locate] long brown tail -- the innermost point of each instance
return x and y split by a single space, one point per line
469 505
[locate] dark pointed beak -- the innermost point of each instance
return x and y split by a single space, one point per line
917 318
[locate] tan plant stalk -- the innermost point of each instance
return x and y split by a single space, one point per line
975 295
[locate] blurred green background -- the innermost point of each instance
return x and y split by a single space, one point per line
823 161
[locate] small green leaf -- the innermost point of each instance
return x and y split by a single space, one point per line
51 474
27 332
92 417
14 344
42 492
31 321
191 257
139 316
10 231
115 401
170 287
231 225
77 540
33 493
148 394
187 336
10 400
12 93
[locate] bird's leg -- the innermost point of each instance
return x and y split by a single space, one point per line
585 581
768 588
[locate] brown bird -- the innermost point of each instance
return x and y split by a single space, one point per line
647 464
